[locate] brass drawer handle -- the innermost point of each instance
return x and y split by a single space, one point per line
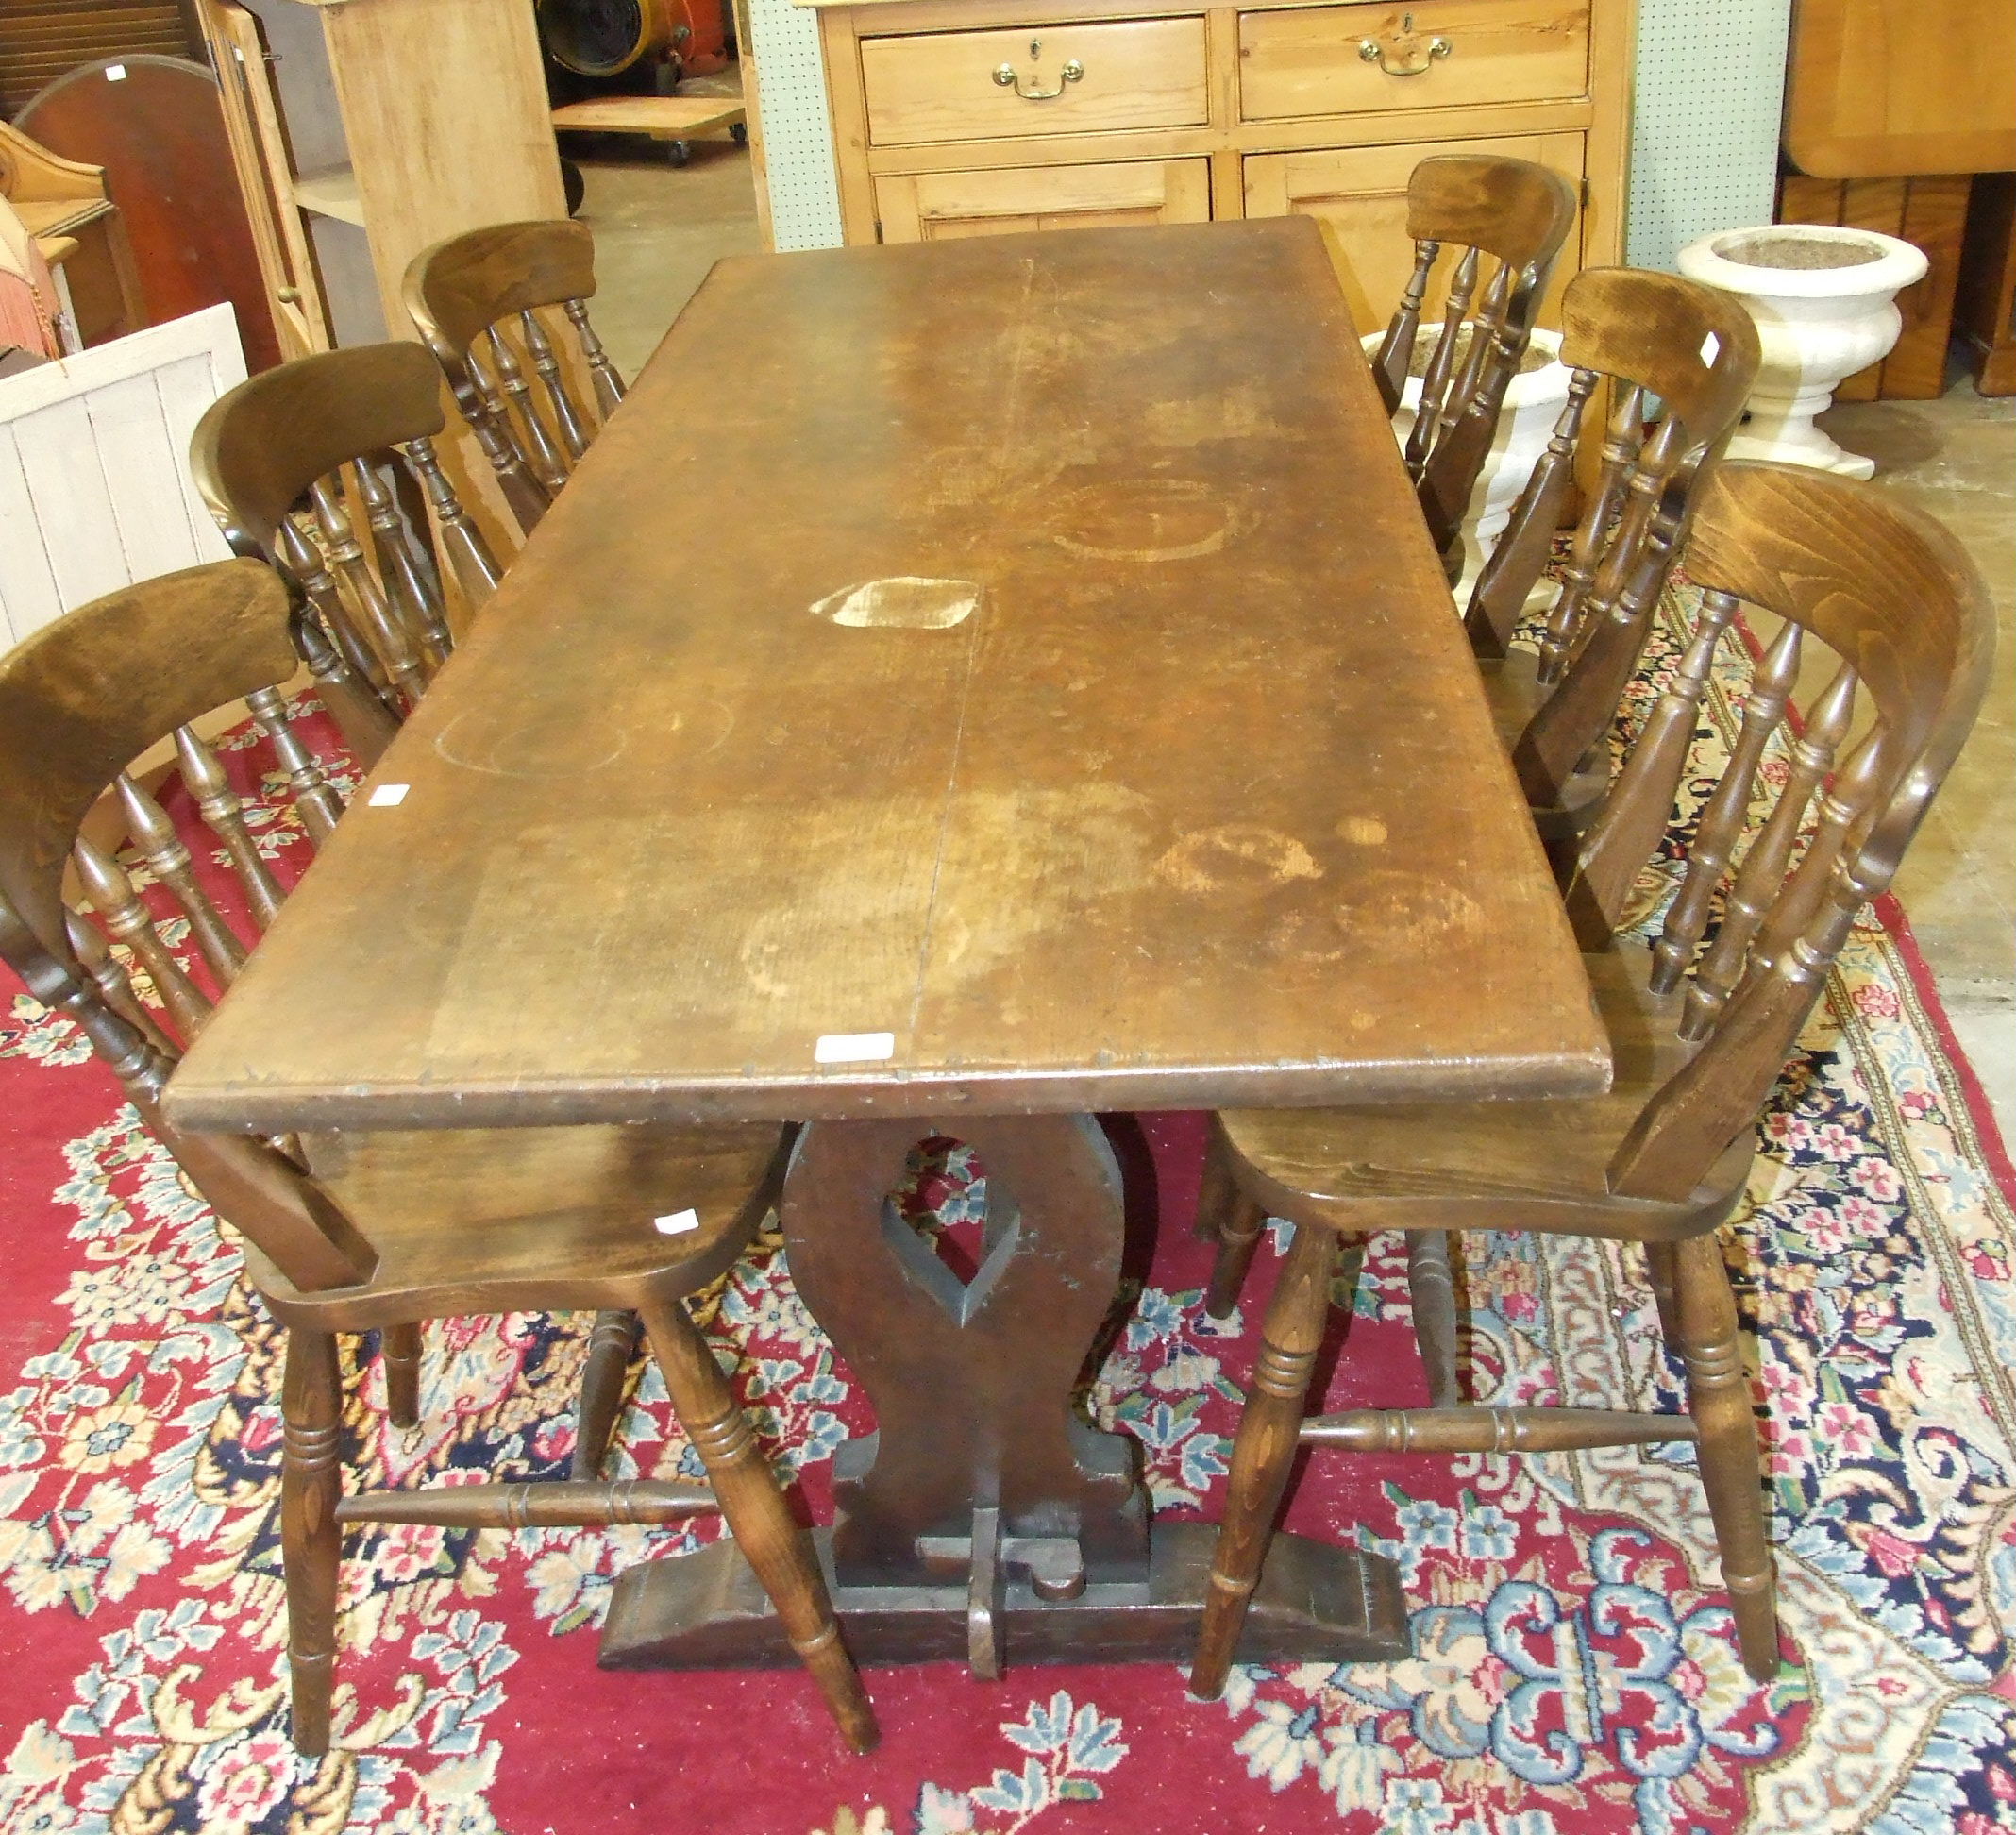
1006 75
1407 45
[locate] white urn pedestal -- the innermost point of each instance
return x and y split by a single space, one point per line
1533 403
1824 300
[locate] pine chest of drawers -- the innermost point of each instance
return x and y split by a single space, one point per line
969 117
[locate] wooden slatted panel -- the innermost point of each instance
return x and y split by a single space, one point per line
94 487
40 40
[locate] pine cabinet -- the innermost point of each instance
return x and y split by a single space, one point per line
967 117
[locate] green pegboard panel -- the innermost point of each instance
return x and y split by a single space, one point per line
1704 125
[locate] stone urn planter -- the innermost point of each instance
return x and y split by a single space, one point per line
1534 400
1824 300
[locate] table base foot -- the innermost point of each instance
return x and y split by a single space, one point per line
1314 1604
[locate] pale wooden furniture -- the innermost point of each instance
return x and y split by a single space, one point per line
1891 107
1900 86
475 300
313 437
1701 1031
833 751
349 1235
1465 207
1116 112
65 205
674 119
445 124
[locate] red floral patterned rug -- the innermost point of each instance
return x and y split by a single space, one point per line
1573 1672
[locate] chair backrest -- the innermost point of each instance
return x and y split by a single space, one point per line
272 460
1652 335
81 699
1518 214
1893 596
475 300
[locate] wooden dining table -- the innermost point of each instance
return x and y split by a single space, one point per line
967 687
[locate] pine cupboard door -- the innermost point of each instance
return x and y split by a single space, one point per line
1363 190
934 206
265 174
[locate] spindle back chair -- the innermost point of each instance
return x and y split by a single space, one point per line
1652 336
272 460
1702 1023
1517 214
364 1232
476 295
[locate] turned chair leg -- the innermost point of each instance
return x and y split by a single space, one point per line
1432 1296
1264 1449
1226 1216
1719 1398
1215 1191
1238 1236
400 1345
1659 1272
610 1348
770 1537
311 1541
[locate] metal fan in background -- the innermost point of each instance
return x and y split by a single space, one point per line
658 39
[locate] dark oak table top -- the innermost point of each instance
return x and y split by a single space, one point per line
1021 657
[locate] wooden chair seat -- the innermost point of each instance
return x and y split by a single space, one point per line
534 1217
1478 1165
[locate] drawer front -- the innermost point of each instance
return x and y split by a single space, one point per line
1146 73
1363 191
936 205
1459 53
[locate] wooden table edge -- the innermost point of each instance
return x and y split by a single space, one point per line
245 1109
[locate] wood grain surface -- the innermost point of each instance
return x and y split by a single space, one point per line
1038 658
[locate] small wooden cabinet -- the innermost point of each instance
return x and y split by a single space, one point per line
967 117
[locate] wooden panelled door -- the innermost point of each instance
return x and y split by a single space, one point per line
265 176
936 205
1363 190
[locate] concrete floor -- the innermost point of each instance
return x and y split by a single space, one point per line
659 229
1957 458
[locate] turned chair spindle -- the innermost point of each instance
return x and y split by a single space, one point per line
1702 1024
354 1234
478 300
1518 215
277 460
1648 335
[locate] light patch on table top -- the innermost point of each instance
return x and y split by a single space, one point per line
1235 854
1363 831
1150 519
509 742
901 603
1241 412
